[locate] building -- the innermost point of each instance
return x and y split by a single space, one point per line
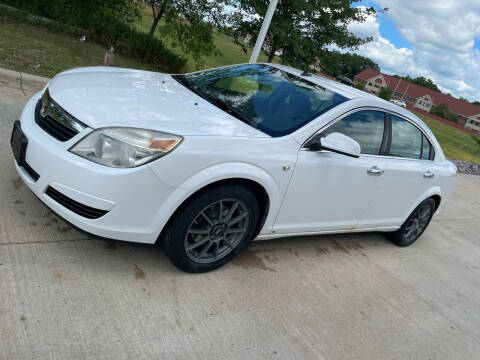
420 97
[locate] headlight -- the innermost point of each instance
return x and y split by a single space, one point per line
125 147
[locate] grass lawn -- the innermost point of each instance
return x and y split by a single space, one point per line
456 144
24 46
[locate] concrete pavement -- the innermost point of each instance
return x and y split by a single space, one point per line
356 296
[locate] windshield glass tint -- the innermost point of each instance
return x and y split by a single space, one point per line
267 98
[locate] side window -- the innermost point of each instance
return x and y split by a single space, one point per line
366 127
427 149
406 139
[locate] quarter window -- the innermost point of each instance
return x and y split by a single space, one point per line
427 151
406 140
366 127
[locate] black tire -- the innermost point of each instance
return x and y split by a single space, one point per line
177 236
415 225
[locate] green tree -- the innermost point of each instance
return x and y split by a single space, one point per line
335 63
301 28
476 102
444 112
190 23
359 86
385 93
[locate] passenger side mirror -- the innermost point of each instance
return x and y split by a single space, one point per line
338 143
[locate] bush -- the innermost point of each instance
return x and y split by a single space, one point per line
359 86
385 93
444 112
131 42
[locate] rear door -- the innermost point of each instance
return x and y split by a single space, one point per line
410 172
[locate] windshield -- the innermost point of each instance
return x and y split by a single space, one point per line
267 98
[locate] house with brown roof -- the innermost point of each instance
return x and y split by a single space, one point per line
420 97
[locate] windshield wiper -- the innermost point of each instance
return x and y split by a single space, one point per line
213 100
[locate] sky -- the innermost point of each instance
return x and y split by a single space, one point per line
438 39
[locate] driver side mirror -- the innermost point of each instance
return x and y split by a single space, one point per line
337 143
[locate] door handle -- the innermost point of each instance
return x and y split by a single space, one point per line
375 171
428 174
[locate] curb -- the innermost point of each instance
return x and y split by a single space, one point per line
21 81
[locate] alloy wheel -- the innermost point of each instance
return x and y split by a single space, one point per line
216 230
417 222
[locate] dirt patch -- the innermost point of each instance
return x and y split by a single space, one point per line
64 229
339 247
139 273
271 260
16 202
321 251
110 246
17 183
247 259
58 275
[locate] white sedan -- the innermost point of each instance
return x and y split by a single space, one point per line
207 161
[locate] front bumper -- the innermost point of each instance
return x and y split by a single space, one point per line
130 198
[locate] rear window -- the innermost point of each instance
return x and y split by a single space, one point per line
269 99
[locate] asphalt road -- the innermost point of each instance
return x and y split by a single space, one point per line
65 296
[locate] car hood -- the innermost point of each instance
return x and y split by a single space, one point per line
104 96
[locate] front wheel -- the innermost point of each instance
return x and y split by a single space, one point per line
211 228
415 225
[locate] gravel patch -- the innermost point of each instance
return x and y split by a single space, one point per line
466 167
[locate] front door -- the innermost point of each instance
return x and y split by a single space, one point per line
330 191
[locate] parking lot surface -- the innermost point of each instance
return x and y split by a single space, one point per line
356 296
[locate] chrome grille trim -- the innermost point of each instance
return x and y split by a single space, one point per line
52 110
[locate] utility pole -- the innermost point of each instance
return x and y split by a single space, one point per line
263 31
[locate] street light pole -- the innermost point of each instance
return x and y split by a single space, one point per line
263 31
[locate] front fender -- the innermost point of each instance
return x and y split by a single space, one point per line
218 172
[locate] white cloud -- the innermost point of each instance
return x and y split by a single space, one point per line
441 33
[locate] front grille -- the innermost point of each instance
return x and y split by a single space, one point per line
53 127
33 174
74 206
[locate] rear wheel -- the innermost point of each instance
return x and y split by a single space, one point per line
211 228
415 225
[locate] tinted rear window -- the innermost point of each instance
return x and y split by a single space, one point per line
269 99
